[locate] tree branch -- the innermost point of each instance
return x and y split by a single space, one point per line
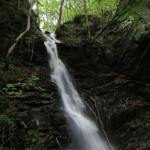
12 47
100 121
86 17
58 144
60 14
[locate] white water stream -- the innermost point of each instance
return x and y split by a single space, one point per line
85 131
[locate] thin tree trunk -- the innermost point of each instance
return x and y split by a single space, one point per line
37 3
86 17
18 4
47 19
12 47
67 11
60 15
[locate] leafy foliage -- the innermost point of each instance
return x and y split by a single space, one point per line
17 89
128 8
48 10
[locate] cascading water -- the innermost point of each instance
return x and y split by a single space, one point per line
85 130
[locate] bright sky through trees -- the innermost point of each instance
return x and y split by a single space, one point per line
48 10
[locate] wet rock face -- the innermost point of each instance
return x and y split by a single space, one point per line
113 79
122 105
134 59
121 46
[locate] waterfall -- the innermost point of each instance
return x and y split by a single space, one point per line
85 131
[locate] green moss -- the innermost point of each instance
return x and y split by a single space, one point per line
6 121
19 88
5 148
37 136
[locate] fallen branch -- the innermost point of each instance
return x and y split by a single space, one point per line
12 47
58 144
100 121
60 15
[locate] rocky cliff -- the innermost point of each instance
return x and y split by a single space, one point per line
113 75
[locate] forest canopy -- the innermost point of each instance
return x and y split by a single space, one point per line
48 11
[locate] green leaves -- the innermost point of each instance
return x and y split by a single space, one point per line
17 89
6 121
48 10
